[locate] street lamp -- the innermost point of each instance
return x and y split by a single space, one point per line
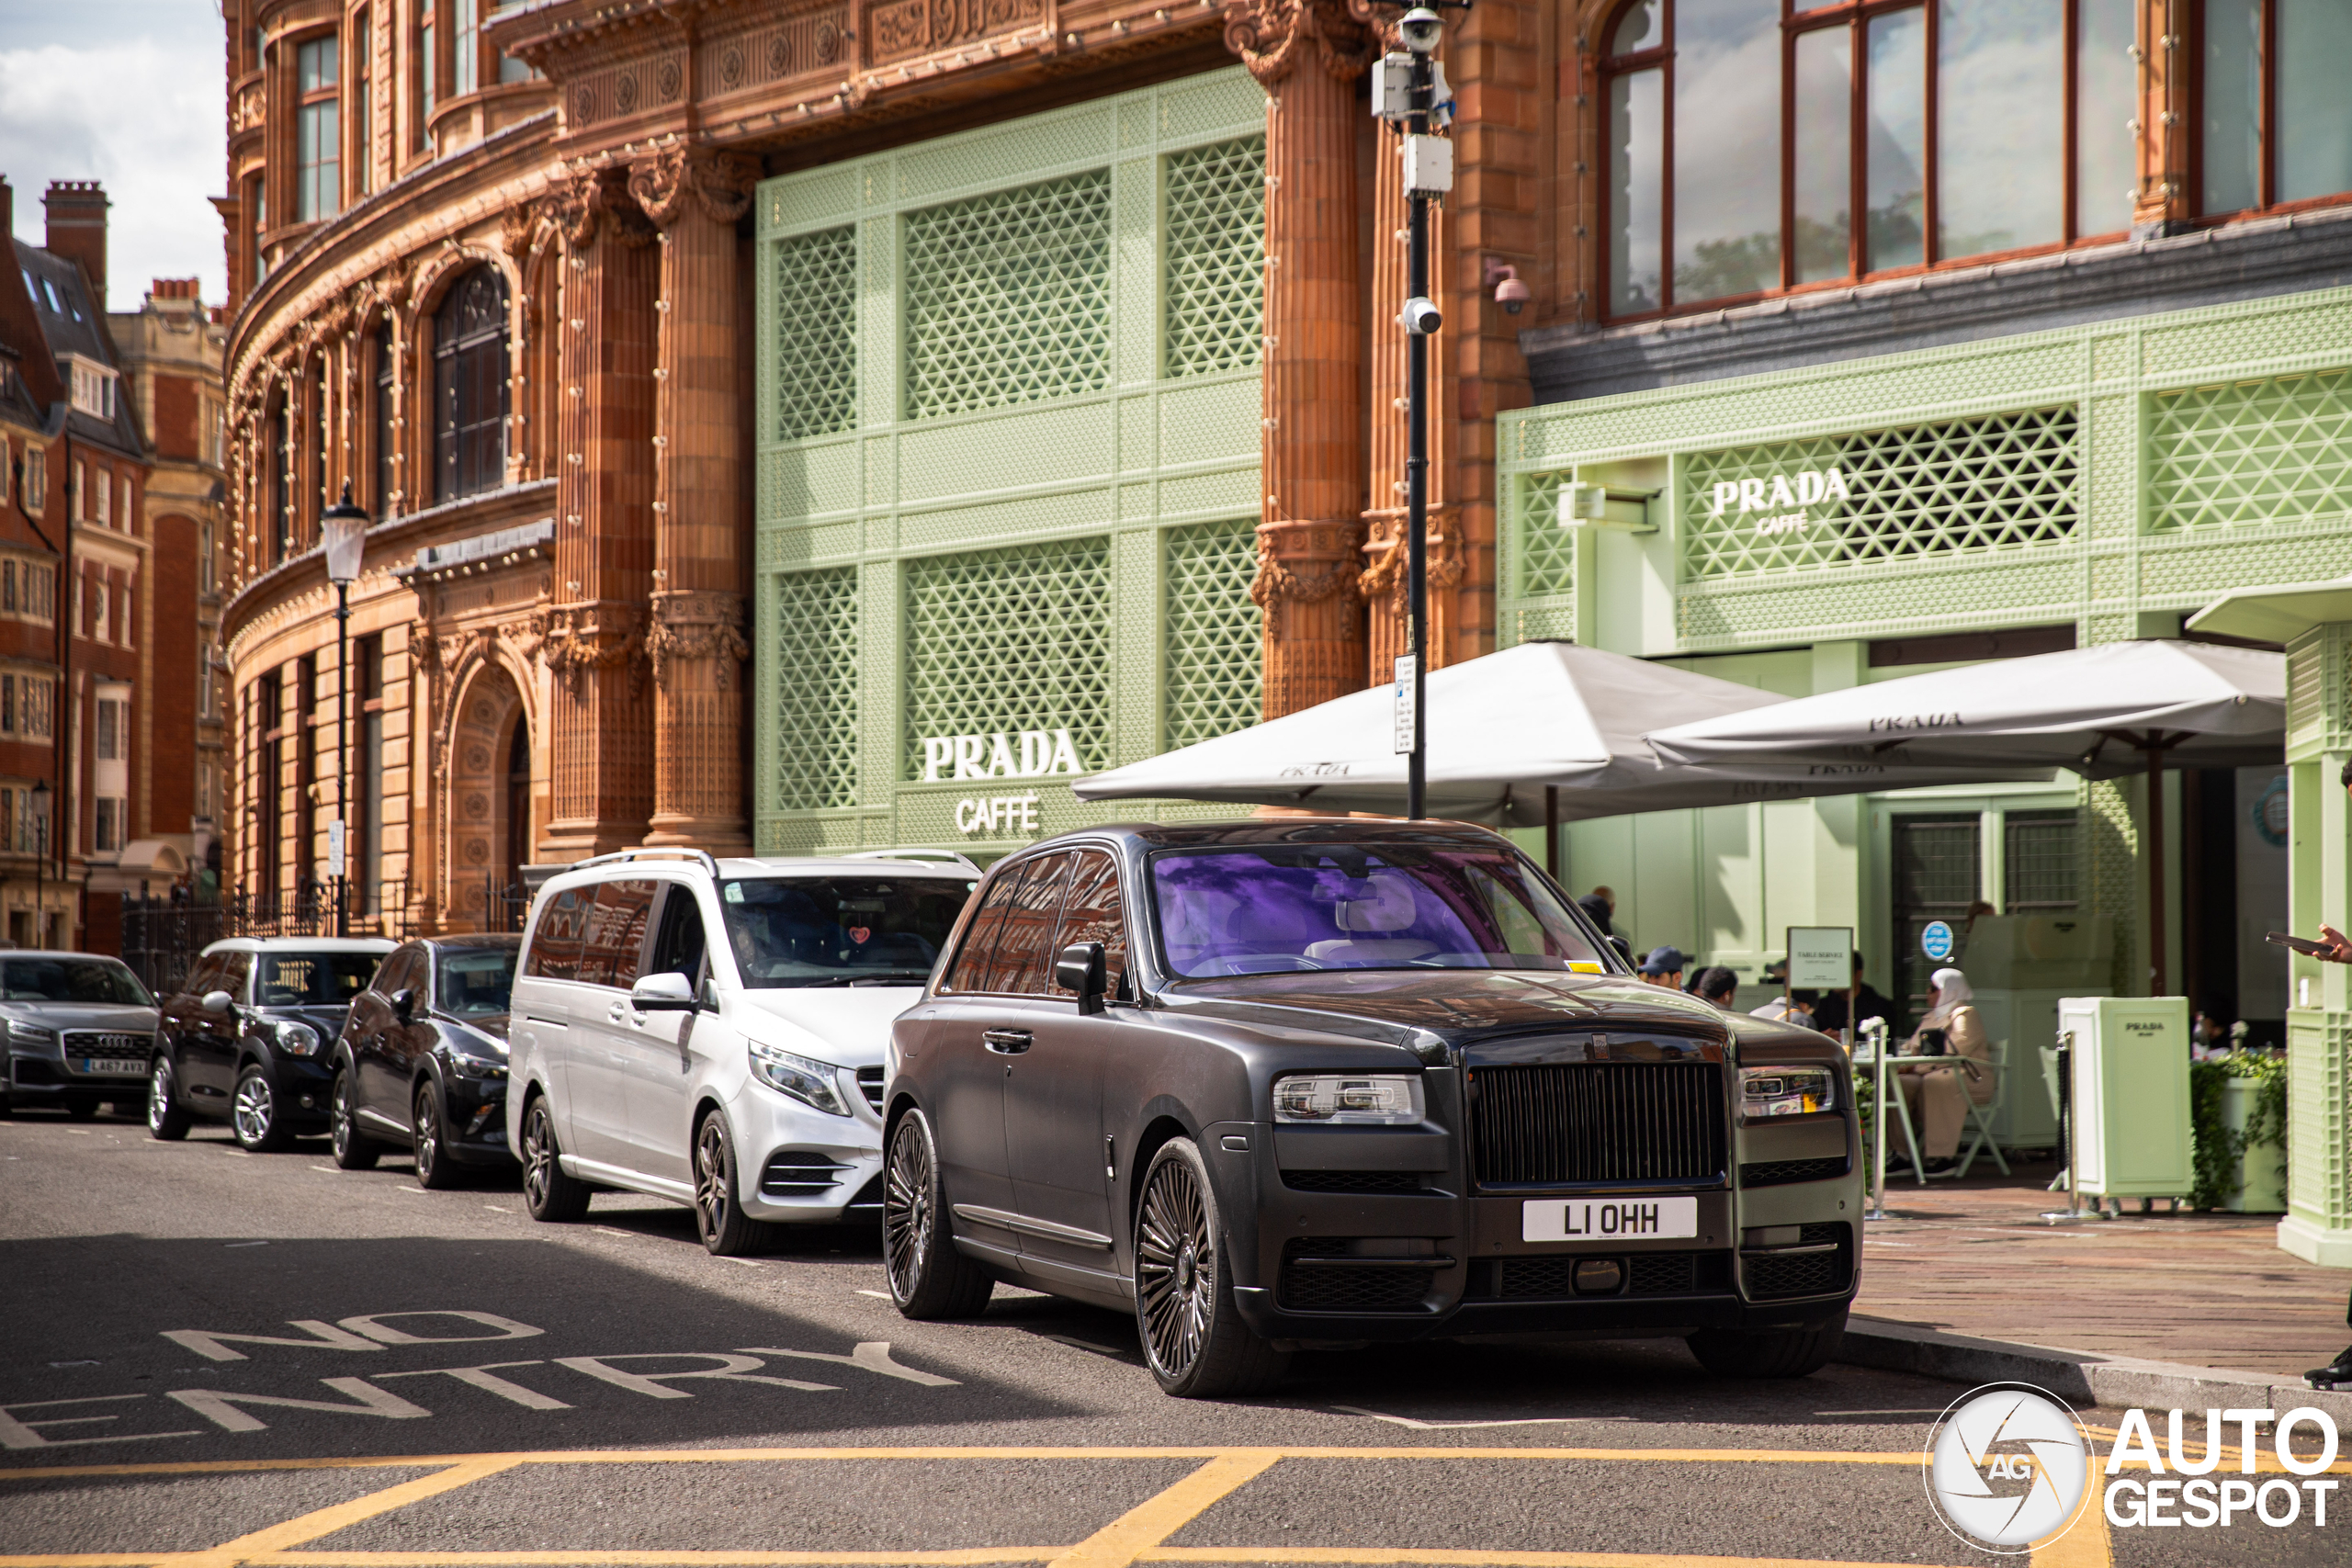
345 527
40 859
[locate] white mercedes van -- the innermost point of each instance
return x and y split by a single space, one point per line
713 1032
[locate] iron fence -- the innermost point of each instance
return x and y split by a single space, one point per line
162 937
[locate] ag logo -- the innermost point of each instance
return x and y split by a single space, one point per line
2006 1468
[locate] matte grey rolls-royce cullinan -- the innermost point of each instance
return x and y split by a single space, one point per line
1280 1085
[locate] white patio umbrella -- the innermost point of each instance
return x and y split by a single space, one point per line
2103 712
1543 733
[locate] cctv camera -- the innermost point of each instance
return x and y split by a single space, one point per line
1421 317
1420 28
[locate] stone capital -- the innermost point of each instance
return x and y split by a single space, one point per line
1304 562
594 201
666 181
696 625
1274 36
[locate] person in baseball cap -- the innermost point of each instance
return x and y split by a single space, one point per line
1664 968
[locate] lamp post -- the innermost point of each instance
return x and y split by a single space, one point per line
40 860
345 530
1408 91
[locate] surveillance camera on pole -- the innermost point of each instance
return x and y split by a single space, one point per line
1408 92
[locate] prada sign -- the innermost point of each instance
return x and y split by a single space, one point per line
1783 501
1007 754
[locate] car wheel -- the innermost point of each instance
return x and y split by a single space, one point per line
1767 1353
167 1118
1193 1334
254 1113
547 1193
727 1230
928 1277
435 1171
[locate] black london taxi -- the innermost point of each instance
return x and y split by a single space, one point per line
1277 1084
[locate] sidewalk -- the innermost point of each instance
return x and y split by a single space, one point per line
2194 1290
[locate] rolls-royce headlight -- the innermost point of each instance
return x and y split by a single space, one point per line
1357 1099
812 1083
1785 1091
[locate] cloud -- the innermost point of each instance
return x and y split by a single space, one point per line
141 111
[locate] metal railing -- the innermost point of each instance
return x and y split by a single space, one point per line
162 937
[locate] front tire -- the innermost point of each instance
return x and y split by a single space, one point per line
726 1230
1767 1353
435 1171
1193 1337
168 1119
354 1150
254 1113
930 1280
550 1195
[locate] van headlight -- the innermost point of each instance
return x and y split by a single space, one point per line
1785 1091
815 1084
1359 1099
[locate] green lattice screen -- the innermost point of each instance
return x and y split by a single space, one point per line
2251 452
1011 640
816 329
1216 229
1547 552
1973 484
1008 297
816 663
1215 657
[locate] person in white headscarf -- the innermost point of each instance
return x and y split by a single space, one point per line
1939 1088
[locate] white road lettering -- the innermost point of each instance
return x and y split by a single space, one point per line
730 1368
220 1409
874 1356
16 1434
485 1378
324 1336
373 1327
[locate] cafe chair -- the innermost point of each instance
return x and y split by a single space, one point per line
1978 1119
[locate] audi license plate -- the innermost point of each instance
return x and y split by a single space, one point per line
1609 1219
125 1069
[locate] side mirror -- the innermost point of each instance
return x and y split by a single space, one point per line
216 1001
672 992
1081 969
404 1005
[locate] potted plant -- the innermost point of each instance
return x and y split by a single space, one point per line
2237 1106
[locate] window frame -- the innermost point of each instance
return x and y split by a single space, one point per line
1797 20
312 188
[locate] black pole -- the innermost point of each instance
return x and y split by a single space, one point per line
1419 90
343 746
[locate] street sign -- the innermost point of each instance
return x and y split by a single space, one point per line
1405 706
1935 941
1821 958
335 848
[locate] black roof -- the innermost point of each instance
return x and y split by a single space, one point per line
73 321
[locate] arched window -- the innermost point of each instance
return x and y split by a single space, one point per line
470 387
2275 118
1743 136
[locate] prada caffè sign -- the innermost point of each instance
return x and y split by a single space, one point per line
1784 499
1007 754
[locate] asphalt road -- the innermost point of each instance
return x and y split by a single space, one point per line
210 1358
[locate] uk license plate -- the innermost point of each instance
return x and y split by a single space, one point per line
1609 1219
114 1067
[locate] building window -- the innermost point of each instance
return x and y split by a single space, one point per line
24 706
36 487
1954 127
387 449
2276 126
362 100
92 386
426 68
465 46
318 134
471 386
368 854
102 622
103 484
282 502
111 771
110 731
204 581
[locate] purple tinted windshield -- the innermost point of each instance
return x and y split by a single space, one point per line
1275 908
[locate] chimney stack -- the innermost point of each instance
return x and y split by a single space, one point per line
77 227
8 208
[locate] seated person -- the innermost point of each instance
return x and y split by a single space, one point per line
1789 1006
1932 1089
1829 1014
1717 985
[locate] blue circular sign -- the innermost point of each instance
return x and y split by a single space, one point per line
1935 941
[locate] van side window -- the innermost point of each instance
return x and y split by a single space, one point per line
1092 912
1025 953
614 940
974 967
555 943
678 945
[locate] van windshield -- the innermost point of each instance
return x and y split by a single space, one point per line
839 930
1274 908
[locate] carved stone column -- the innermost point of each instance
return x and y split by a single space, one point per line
601 713
695 638
1306 54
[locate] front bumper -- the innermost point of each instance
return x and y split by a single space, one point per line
798 1165
37 1078
303 1087
474 1114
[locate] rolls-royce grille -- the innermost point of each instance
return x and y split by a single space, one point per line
1781 1172
1588 1122
1352 1180
120 1047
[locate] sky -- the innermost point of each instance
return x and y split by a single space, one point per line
129 93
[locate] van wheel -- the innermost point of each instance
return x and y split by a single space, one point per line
353 1149
1768 1353
168 1119
547 1193
928 1277
1193 1334
727 1230
253 1115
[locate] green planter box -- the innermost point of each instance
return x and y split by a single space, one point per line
2260 1184
2238 1119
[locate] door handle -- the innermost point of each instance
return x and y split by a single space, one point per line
618 1012
1006 1041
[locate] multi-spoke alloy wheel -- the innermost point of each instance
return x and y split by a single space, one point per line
434 1169
252 1113
165 1118
547 1193
726 1230
353 1149
1192 1334
928 1277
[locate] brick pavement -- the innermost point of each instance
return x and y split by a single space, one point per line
2201 1289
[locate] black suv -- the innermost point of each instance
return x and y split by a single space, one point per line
245 1040
423 1058
1276 1085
